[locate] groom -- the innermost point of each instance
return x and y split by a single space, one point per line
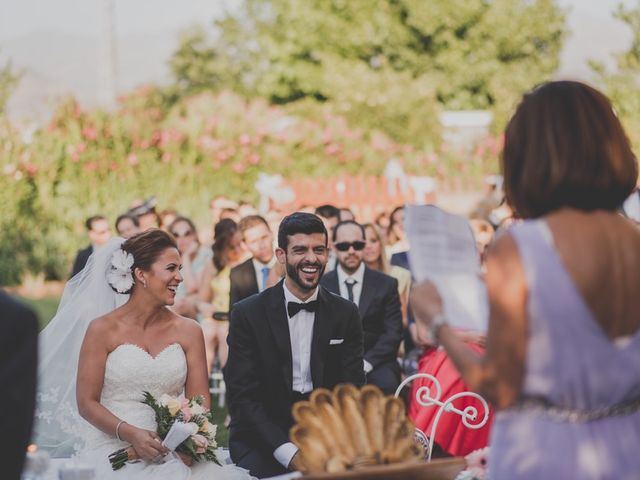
283 343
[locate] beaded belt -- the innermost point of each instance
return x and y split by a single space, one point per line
563 414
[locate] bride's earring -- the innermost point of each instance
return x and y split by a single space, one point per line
144 283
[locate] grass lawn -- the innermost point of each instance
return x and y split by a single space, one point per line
46 309
219 415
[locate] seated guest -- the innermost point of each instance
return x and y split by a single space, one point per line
99 233
145 212
167 217
483 233
251 276
283 343
375 257
194 259
213 296
127 225
397 237
376 295
18 370
346 214
451 435
330 216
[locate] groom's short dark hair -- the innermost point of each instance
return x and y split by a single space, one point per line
299 222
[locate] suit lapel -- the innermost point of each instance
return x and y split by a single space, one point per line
366 292
279 323
321 336
250 278
331 282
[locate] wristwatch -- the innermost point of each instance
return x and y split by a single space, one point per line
436 323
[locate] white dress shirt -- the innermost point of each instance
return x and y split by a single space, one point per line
358 276
301 334
257 268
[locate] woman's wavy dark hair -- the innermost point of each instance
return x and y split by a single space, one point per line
223 232
146 247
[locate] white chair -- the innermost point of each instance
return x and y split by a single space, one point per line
425 399
218 387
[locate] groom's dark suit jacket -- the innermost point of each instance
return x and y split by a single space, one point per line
379 308
259 376
18 368
243 282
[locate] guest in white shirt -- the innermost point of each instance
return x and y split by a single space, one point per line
252 276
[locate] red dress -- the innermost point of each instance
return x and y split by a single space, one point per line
451 434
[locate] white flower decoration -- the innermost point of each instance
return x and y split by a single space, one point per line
120 277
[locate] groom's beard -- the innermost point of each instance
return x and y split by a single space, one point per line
293 272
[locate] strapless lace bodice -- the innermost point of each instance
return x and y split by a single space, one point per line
130 371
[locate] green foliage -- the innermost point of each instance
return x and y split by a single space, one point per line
385 64
9 80
623 84
88 162
45 308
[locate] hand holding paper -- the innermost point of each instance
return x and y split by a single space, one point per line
443 251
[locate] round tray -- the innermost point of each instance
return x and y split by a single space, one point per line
440 469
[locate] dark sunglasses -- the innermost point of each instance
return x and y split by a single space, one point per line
185 234
344 246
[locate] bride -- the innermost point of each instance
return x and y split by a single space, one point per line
133 344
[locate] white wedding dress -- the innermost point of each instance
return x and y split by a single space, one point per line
129 371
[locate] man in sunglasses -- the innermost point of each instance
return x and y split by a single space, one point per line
376 295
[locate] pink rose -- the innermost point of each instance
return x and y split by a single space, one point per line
186 413
239 167
200 442
31 169
89 133
133 159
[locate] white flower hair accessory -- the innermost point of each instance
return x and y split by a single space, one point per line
120 277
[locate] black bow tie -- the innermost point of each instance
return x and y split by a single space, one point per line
295 307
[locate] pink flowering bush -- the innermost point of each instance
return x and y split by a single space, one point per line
87 162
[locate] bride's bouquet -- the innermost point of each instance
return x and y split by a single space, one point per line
184 425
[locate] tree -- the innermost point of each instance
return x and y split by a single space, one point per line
388 64
8 82
623 84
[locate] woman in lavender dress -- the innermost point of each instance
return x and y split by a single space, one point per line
562 364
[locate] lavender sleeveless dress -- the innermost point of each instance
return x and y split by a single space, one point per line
574 367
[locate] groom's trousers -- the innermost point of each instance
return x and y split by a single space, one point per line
260 463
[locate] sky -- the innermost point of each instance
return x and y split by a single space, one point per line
56 41
20 17
82 17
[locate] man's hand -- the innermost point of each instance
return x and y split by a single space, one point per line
294 464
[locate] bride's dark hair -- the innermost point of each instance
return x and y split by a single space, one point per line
147 246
